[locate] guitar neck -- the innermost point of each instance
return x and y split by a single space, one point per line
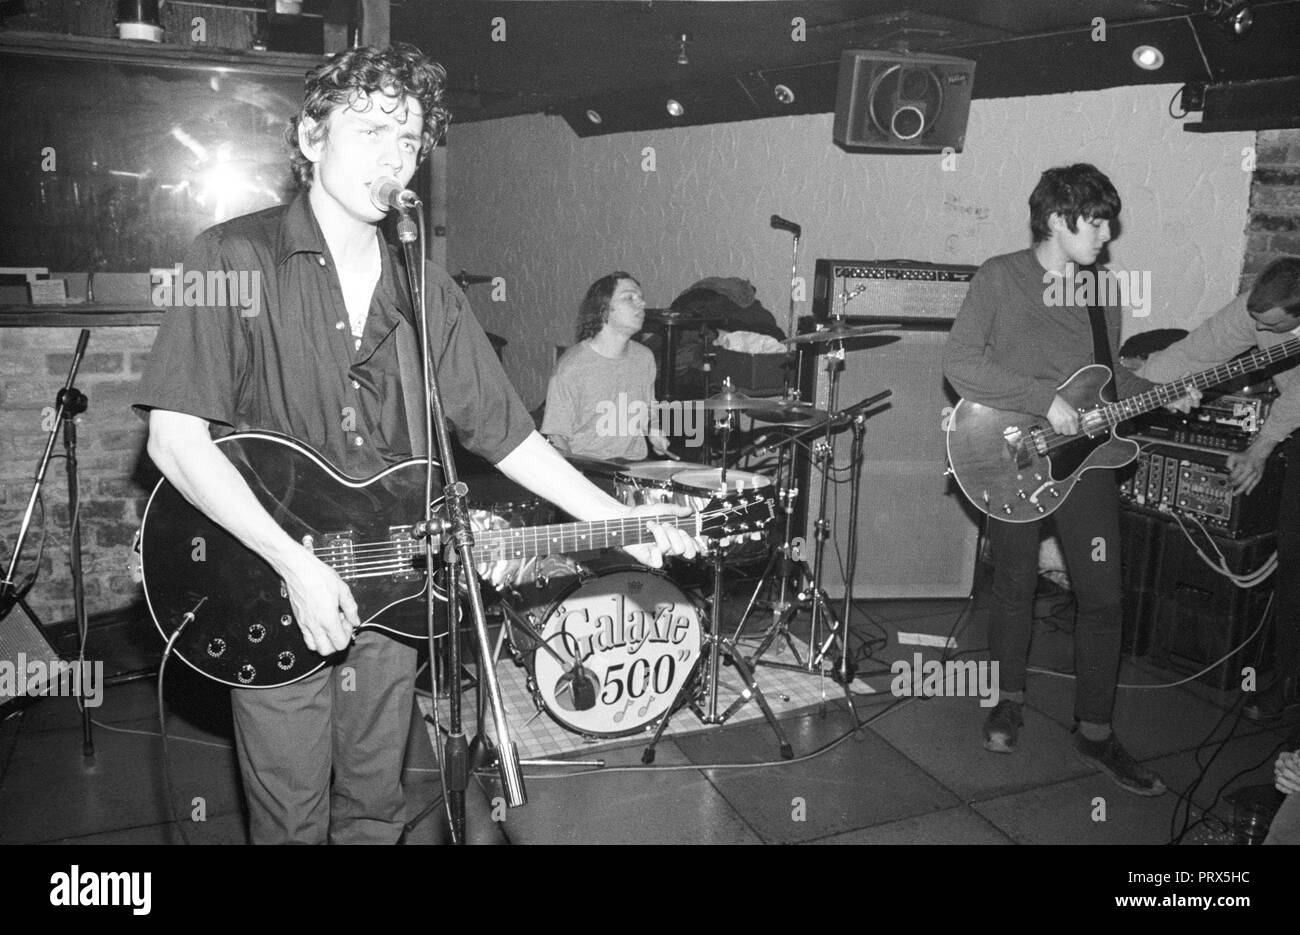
1166 393
540 541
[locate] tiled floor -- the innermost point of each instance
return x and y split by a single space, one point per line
914 773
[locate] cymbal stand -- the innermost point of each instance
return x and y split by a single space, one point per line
716 645
812 594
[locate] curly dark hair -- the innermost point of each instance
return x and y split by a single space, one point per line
401 70
1077 191
594 310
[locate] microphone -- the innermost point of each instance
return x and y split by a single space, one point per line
780 223
386 194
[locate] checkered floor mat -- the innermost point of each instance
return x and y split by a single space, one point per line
538 735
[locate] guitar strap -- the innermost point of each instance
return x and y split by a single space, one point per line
1101 345
408 365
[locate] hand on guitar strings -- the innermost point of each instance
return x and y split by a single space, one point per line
1186 404
1063 416
322 604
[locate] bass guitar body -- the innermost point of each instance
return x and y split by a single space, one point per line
1015 468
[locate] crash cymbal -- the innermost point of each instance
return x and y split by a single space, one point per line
838 331
731 401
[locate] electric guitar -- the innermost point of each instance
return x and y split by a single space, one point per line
1015 468
239 627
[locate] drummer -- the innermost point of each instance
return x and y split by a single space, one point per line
600 402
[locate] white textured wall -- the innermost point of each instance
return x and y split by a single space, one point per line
530 201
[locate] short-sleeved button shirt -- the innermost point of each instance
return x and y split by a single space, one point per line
289 362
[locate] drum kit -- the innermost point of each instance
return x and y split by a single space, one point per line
613 649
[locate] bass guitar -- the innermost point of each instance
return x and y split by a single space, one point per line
239 626
1016 468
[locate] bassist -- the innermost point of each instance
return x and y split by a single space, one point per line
1010 348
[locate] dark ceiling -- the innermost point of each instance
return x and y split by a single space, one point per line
620 56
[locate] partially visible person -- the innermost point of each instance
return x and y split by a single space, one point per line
1285 828
1266 316
600 402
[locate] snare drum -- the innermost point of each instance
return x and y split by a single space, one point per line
652 482
636 635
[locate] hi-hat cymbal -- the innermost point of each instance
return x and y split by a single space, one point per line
793 414
838 331
730 401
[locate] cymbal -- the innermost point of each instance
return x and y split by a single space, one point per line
464 279
731 401
793 414
670 316
594 467
838 331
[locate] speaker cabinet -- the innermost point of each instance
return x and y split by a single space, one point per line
22 645
892 102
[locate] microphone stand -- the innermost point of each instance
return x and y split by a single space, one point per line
458 534
68 404
792 354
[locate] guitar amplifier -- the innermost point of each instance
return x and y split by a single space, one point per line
920 295
1180 613
1194 483
917 535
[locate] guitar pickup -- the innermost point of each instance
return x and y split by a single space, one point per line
338 553
408 554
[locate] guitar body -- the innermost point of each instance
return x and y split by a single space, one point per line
1002 461
244 634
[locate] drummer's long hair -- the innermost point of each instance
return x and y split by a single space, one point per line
594 310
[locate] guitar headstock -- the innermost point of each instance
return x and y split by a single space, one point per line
729 516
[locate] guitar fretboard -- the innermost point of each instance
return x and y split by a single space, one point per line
1114 413
538 541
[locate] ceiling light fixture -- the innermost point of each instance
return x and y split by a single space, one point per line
783 94
594 116
674 107
682 58
1148 57
1235 17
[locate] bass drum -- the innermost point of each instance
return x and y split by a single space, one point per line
608 654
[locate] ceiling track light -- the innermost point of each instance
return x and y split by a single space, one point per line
683 38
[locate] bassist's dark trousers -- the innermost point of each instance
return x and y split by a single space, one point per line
1087 523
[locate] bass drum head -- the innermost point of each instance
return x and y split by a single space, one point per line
637 637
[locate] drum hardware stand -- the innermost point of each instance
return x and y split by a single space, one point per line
812 593
68 404
717 645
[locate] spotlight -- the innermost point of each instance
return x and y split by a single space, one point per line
682 58
674 107
1235 17
138 19
1148 57
783 94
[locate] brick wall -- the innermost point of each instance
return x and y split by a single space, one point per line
1273 226
115 476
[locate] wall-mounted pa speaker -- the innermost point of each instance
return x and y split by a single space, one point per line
892 102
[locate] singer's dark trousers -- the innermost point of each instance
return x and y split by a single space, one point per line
352 718
1087 524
